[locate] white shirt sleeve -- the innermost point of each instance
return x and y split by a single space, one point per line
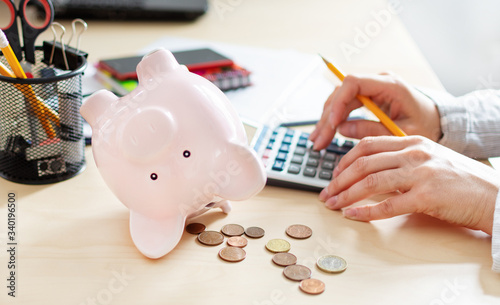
495 237
470 123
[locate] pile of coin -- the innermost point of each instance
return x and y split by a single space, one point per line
234 252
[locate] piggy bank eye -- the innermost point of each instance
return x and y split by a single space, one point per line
186 154
154 176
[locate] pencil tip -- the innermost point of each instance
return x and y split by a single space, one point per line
326 61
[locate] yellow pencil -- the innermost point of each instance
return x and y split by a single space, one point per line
368 103
39 108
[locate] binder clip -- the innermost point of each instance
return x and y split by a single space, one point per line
63 56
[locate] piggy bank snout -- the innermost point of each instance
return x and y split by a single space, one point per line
147 134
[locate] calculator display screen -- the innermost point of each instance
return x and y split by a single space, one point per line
250 131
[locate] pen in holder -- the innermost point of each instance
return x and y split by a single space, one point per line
41 129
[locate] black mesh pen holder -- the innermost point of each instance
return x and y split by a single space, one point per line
41 129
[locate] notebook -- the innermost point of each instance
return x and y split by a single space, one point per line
130 9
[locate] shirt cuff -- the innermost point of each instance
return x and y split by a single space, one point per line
453 116
495 236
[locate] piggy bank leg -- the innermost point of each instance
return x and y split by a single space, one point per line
225 206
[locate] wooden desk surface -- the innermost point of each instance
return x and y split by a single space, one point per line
74 245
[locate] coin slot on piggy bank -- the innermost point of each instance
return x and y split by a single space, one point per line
169 150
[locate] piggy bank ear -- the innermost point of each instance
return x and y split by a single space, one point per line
146 134
156 237
154 64
95 106
240 174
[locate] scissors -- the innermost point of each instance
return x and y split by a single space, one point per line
29 31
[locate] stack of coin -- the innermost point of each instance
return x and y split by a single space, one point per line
233 252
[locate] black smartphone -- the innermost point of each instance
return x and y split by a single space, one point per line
123 68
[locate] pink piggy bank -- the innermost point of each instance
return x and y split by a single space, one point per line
169 150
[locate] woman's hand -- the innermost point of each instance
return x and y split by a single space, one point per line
428 177
410 109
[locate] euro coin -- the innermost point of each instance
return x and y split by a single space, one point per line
331 263
232 230
195 228
297 272
210 238
237 241
232 254
312 286
278 245
284 259
254 232
299 231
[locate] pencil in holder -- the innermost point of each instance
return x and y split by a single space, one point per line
41 129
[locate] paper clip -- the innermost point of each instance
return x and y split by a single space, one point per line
73 26
51 60
62 55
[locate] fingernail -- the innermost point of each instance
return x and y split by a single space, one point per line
351 213
332 203
314 134
336 172
317 142
330 120
323 195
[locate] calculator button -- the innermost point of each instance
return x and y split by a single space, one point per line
302 142
281 156
327 165
278 165
290 132
309 172
314 154
326 175
287 140
300 151
273 136
266 153
285 147
348 144
297 159
334 148
304 135
312 162
330 157
293 169
270 145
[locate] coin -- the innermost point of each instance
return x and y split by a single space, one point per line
297 272
331 263
211 238
254 232
278 245
237 241
232 230
232 254
312 286
195 228
284 259
299 231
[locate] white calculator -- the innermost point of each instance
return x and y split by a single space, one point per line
289 159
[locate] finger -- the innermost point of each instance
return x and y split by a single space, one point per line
359 129
382 182
374 145
382 88
324 117
390 207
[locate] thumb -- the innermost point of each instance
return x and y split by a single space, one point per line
359 129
